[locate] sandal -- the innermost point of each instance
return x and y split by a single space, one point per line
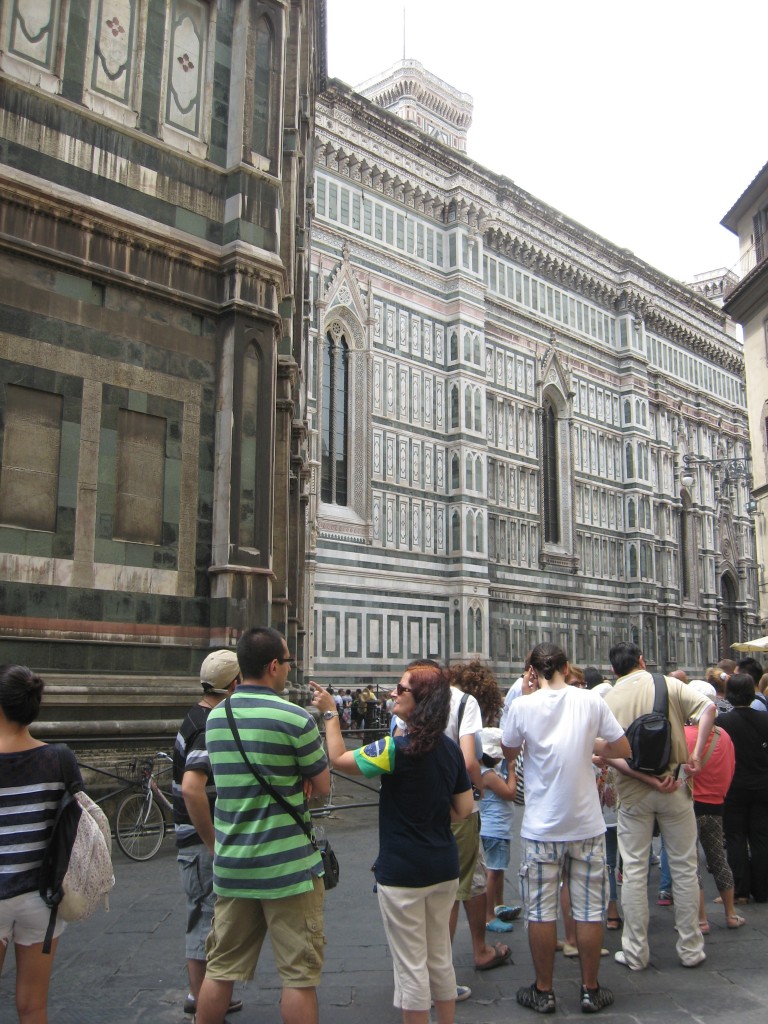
704 927
612 924
502 955
734 920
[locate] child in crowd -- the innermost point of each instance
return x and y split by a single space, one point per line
496 821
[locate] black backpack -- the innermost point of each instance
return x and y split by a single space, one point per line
650 736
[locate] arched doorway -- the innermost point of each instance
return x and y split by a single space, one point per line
729 619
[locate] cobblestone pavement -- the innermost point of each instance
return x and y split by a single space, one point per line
127 965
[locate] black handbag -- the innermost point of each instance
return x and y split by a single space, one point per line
322 845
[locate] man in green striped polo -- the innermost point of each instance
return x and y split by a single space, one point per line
266 874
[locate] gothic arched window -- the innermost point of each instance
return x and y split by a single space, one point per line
455 407
264 99
335 419
455 481
551 476
248 442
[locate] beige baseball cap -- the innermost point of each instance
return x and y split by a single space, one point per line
218 670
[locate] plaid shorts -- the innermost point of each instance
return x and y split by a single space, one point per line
581 862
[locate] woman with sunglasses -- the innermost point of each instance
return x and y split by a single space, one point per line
424 786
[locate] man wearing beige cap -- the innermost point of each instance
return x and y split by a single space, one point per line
194 796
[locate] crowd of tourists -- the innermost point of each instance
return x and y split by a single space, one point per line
599 767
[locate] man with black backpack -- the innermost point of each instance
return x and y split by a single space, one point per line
653 709
194 796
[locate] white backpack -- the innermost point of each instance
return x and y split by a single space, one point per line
76 873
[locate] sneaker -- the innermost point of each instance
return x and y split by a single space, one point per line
505 913
593 1000
532 999
696 960
621 958
665 898
463 992
190 1006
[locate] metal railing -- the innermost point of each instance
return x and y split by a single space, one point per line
755 255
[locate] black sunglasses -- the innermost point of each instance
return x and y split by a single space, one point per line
286 661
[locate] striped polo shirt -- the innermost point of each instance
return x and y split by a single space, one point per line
260 851
30 790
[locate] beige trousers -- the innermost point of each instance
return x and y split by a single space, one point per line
674 813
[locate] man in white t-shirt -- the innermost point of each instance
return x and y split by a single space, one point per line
563 827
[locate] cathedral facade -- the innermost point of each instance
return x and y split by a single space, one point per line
516 428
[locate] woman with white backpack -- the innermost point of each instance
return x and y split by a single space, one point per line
31 785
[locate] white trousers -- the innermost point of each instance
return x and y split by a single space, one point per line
416 922
674 813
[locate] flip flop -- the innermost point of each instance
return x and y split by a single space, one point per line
737 919
704 927
613 924
503 956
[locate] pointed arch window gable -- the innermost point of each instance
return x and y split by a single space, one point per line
335 463
550 473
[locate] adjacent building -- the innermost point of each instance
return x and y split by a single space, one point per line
155 165
747 302
500 405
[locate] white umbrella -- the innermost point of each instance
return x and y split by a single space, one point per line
760 644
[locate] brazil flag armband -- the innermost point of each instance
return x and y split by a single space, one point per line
377 758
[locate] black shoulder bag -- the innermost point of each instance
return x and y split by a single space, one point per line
323 846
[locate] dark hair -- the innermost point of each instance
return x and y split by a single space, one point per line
431 691
256 648
21 692
752 667
592 677
740 690
548 659
475 678
624 658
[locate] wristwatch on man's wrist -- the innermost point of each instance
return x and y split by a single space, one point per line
328 715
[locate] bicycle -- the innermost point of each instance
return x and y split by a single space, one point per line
140 824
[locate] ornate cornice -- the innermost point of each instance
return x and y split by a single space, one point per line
513 223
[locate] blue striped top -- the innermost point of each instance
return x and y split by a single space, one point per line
30 789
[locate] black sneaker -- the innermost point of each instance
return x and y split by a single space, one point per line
190 1006
533 999
593 1000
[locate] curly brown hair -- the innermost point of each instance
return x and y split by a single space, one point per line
475 678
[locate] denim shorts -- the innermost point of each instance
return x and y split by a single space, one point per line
196 869
496 853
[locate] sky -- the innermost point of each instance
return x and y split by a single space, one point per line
644 121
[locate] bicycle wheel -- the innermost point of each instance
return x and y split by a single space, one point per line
139 826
